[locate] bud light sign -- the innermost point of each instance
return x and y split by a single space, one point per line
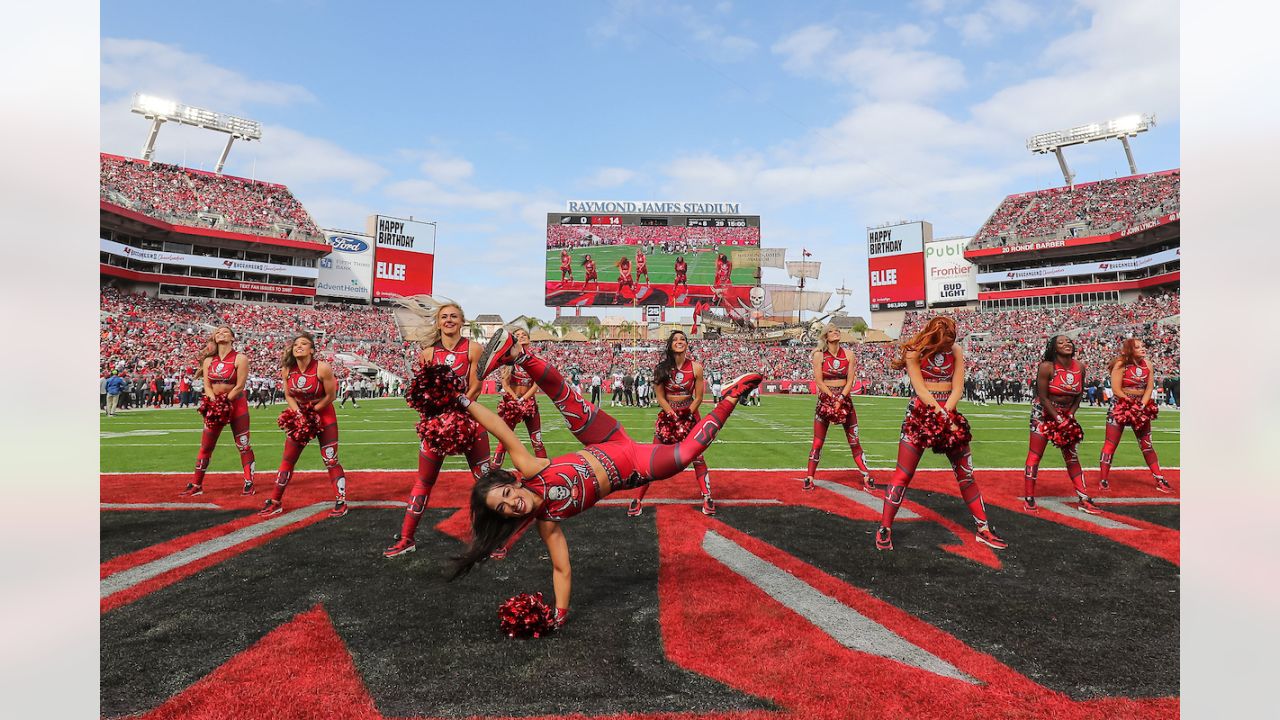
347 272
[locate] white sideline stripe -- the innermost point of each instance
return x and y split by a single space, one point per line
376 503
678 501
845 625
863 498
160 506
1066 506
791 471
1163 500
126 579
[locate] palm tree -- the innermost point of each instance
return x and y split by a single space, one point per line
860 328
477 332
594 331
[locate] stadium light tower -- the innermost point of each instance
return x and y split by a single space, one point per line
159 110
1119 129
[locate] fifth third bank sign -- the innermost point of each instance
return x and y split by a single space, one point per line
404 256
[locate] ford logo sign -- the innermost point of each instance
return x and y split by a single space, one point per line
342 243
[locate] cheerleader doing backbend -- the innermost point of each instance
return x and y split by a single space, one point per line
834 368
1059 387
444 345
935 365
1132 378
225 372
517 383
678 384
309 382
553 490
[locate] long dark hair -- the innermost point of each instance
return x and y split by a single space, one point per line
1051 348
667 364
489 528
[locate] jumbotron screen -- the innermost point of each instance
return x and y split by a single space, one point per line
669 260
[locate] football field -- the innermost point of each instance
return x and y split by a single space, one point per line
702 265
778 607
380 435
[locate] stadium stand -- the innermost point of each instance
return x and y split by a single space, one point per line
1087 209
195 198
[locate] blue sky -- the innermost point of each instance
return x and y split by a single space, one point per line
822 118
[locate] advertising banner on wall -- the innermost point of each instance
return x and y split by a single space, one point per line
949 277
347 272
404 256
1093 268
202 261
895 265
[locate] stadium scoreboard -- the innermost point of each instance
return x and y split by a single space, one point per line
689 259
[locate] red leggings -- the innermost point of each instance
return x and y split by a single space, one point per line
700 470
1035 452
850 435
909 458
328 438
1115 432
429 463
533 424
240 429
637 463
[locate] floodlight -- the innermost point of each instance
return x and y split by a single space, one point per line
159 110
1121 129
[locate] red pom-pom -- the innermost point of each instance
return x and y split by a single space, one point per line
670 429
834 408
216 410
1151 410
300 425
1130 411
525 615
957 435
449 433
1064 432
530 407
925 426
434 388
510 410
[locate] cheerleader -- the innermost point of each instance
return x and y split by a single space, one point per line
678 384
225 373
682 274
642 265
724 271
566 266
834 368
589 267
935 365
444 345
517 384
1059 387
309 382
1131 377
502 505
624 278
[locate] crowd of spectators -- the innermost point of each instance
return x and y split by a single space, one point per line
181 195
1093 208
146 339
154 343
573 236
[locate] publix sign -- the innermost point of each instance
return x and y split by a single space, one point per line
949 277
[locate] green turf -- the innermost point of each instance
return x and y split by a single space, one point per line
702 265
380 434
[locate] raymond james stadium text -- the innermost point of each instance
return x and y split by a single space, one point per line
670 208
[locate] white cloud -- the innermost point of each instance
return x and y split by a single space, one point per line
610 177
429 195
131 66
704 35
802 47
995 16
445 168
